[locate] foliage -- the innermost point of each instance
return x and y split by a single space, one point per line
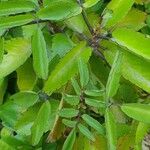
74 74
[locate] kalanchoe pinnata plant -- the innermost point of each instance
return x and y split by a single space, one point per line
74 74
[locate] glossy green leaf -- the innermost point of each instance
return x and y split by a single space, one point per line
68 112
40 56
76 86
94 93
14 7
71 99
59 10
68 145
84 73
137 111
94 124
114 76
94 103
135 42
134 68
115 11
26 77
90 3
69 123
40 124
25 99
14 21
67 67
18 52
111 131
85 131
1 49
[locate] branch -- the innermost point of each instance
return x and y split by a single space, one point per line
84 15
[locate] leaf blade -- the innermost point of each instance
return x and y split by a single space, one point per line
40 56
67 66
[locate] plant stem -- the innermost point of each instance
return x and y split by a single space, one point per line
84 15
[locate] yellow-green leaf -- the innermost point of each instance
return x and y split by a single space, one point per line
67 67
14 7
14 21
59 10
134 68
111 131
114 76
90 3
115 11
135 19
18 52
26 77
137 111
135 42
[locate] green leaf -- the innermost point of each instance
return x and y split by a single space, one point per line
1 49
10 113
90 3
134 68
5 146
66 68
116 10
14 21
61 44
69 142
114 76
77 24
137 111
25 99
15 142
59 10
76 86
94 124
14 7
71 99
135 42
142 130
85 131
40 56
135 19
94 103
68 112
18 52
69 123
26 77
3 86
84 73
94 93
25 122
111 131
40 124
